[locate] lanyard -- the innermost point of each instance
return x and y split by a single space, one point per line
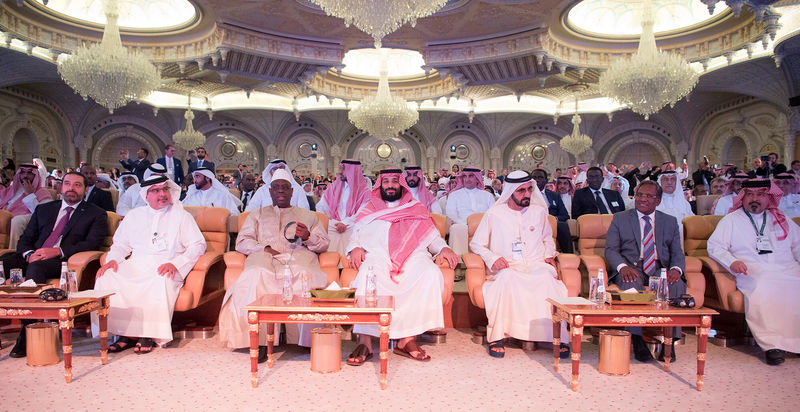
763 224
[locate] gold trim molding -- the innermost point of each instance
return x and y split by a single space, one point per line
318 317
642 319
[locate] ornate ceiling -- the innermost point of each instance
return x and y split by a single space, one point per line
480 56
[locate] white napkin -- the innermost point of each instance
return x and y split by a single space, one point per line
333 286
631 290
28 283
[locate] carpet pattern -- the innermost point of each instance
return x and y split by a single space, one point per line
202 375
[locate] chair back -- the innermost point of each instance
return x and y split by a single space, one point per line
593 229
113 223
114 196
705 204
5 228
441 223
696 231
213 223
472 224
323 220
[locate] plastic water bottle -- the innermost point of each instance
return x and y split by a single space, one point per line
601 286
287 293
2 274
663 287
371 292
63 282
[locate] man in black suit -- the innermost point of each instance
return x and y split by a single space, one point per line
176 170
556 208
639 243
137 166
94 194
703 175
201 161
56 231
593 199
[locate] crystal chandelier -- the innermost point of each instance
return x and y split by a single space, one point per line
378 18
576 143
383 115
107 72
188 138
651 79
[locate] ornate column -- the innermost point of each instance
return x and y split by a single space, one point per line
790 140
430 155
496 159
81 143
336 157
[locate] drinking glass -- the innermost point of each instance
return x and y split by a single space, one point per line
594 284
2 278
72 282
305 288
663 290
653 285
16 276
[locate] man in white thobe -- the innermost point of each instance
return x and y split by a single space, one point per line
262 197
761 248
673 201
463 202
129 197
395 238
269 250
208 191
147 283
790 201
515 241
725 202
419 189
21 198
342 202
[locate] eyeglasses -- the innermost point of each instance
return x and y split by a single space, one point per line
645 196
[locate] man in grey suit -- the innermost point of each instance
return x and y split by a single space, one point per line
638 244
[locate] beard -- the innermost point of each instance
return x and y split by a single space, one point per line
524 202
412 182
391 198
755 207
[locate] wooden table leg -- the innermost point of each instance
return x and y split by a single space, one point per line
667 348
577 335
252 320
702 340
65 323
102 316
270 343
556 338
384 320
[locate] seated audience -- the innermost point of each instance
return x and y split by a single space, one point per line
342 202
466 199
21 198
208 191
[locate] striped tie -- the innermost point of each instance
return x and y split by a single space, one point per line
648 247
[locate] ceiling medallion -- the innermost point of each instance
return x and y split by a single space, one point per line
383 115
378 18
107 72
650 79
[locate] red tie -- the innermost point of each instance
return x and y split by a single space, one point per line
56 233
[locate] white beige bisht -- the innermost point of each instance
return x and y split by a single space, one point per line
263 273
143 300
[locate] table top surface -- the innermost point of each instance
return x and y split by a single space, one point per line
275 303
648 309
29 303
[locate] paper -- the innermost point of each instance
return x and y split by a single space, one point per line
631 290
28 283
333 286
573 301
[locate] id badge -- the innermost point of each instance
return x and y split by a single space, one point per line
516 251
160 243
763 244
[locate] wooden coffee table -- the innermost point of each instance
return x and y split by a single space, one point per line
271 309
65 311
580 316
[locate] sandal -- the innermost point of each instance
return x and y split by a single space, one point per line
564 351
497 345
145 345
412 346
359 356
122 344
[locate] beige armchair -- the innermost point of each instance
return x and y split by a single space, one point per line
89 261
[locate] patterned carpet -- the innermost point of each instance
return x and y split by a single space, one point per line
201 375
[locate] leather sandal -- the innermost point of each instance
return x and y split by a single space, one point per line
123 343
563 354
497 345
412 347
144 346
361 351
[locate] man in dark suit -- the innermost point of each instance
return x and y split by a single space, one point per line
172 164
639 243
56 231
137 166
556 208
201 161
703 175
594 199
94 194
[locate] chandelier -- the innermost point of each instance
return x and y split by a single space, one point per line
379 18
383 115
576 143
651 79
107 72
188 138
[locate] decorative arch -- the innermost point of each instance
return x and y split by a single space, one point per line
626 144
716 143
25 145
158 136
111 140
228 147
301 156
403 150
476 154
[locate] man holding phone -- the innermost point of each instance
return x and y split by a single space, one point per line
703 175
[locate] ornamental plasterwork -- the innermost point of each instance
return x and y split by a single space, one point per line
485 50
634 138
642 319
318 317
337 87
14 312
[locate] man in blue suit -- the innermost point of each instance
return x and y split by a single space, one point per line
201 161
173 164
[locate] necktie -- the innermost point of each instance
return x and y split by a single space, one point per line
244 200
58 229
648 247
601 207
200 164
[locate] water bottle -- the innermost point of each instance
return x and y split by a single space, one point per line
663 287
63 282
371 293
601 287
287 292
2 274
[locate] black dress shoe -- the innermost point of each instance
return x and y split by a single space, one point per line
661 354
262 354
774 357
20 348
640 351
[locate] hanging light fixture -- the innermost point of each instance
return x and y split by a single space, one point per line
107 72
576 143
383 115
378 18
188 138
650 79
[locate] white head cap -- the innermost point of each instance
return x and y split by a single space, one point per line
281 174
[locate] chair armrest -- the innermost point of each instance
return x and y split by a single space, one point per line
79 261
327 259
192 290
736 301
475 277
695 281
4 252
569 273
206 260
592 263
473 261
724 281
449 276
234 264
